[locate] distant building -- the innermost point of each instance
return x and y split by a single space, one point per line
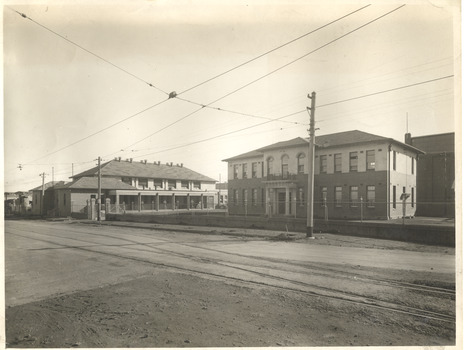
222 195
43 204
435 175
18 202
356 174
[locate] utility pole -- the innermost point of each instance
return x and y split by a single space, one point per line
99 190
309 215
43 193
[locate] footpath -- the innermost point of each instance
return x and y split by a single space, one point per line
240 232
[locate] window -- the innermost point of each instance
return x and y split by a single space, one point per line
244 196
184 184
127 180
412 165
158 183
244 170
143 183
284 166
301 197
353 196
353 161
323 164
270 162
254 197
235 171
300 161
254 169
370 196
171 183
64 198
263 196
235 197
412 197
197 184
370 160
394 197
338 196
323 196
338 162
394 160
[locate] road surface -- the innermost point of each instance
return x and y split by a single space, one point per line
47 260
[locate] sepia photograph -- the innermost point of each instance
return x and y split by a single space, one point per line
221 174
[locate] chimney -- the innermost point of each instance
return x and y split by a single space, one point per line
130 160
119 159
159 162
171 163
181 165
145 161
408 138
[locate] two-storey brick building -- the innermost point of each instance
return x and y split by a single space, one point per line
356 174
132 186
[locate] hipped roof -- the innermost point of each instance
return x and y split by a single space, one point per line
345 138
145 170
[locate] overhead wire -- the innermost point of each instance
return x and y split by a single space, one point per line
296 113
262 77
272 50
170 95
88 51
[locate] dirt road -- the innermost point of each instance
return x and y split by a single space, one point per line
74 285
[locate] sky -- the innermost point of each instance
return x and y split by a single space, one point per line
93 79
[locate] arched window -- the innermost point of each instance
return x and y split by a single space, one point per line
270 161
300 161
284 166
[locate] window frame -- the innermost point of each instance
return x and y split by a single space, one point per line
323 164
370 202
338 201
354 202
370 153
354 161
337 156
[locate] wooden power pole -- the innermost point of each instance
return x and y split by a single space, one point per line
99 191
310 206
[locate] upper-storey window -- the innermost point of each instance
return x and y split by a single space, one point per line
143 182
158 183
235 171
370 160
270 162
412 165
197 184
300 160
353 161
338 162
323 164
172 184
394 160
284 166
254 169
184 184
127 180
244 170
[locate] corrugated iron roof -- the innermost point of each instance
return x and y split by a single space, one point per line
92 183
145 170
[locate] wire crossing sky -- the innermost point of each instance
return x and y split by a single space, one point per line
73 92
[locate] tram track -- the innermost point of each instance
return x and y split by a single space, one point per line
291 284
